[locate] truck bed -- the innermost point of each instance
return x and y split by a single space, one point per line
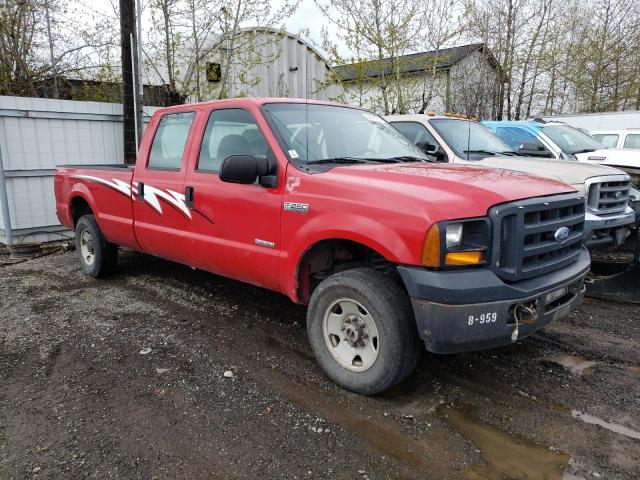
102 189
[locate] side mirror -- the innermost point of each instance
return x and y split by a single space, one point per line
246 169
441 155
533 149
427 148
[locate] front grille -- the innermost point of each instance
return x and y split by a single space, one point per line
608 197
525 235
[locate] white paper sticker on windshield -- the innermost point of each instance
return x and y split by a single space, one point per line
293 153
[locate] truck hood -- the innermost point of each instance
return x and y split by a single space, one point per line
571 172
453 191
625 158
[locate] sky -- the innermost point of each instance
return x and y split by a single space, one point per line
308 16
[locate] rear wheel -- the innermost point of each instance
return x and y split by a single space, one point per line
98 257
362 330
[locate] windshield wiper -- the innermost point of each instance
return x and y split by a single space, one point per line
486 152
338 160
584 150
510 153
355 160
409 158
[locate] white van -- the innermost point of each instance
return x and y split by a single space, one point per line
626 138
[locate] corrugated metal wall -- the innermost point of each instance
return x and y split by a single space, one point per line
36 134
281 65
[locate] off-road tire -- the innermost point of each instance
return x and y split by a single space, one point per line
399 346
105 254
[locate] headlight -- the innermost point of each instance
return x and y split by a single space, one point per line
456 243
453 235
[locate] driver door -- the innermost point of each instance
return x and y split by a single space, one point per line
235 228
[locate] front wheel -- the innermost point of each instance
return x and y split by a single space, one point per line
362 330
97 256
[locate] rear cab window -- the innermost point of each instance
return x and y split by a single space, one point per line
169 141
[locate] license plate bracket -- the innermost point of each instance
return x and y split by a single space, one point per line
556 294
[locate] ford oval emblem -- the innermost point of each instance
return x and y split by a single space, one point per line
618 194
561 234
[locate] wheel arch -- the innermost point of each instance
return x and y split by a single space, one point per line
331 255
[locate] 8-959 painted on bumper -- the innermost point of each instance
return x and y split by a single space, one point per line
466 310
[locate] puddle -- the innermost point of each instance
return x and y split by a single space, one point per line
576 365
505 455
613 427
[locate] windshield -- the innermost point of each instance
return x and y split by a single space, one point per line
469 139
571 140
316 133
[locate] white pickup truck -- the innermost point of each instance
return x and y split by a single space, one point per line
607 191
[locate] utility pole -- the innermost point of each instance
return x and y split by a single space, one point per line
54 68
129 66
139 63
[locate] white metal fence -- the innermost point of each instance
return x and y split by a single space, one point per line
36 134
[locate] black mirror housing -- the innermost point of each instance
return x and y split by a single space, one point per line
246 169
441 155
239 169
427 147
534 150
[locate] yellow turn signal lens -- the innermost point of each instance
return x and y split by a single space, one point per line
463 258
431 247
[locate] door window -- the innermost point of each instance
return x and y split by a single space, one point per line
169 141
632 141
416 132
229 132
609 140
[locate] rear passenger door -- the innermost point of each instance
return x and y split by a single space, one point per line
235 229
160 212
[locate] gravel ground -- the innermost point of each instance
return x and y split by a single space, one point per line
125 378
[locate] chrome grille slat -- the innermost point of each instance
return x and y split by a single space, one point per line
602 191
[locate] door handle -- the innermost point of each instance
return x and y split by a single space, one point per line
141 191
188 197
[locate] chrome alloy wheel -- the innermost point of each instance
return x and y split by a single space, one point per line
87 248
351 335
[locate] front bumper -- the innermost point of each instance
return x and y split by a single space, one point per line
464 310
608 231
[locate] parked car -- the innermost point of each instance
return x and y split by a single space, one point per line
606 190
333 207
561 141
626 138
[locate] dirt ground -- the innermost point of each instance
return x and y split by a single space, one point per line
80 397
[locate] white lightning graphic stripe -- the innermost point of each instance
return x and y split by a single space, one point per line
152 194
116 184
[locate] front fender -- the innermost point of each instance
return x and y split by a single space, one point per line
341 226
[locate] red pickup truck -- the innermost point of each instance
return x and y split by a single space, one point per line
333 207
